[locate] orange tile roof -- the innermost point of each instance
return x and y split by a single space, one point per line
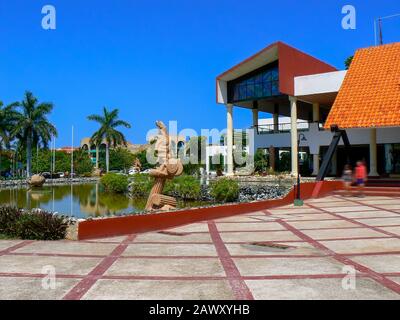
370 93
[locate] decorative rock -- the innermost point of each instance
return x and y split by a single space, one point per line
264 192
36 180
61 181
96 172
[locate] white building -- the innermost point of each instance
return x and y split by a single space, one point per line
298 91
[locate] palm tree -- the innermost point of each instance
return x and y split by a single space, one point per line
32 126
108 123
7 119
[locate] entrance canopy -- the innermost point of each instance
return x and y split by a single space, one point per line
370 94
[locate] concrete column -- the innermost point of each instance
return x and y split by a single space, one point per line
276 118
293 135
373 172
207 162
229 139
315 108
255 118
251 145
276 122
97 156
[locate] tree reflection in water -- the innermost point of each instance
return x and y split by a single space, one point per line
83 200
80 200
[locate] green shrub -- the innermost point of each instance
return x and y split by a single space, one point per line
41 161
35 225
121 159
113 182
260 161
284 163
141 184
8 219
191 169
185 187
41 226
225 190
82 163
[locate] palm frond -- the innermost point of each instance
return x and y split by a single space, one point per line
108 123
119 123
97 118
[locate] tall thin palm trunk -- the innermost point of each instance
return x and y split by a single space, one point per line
28 156
97 156
107 157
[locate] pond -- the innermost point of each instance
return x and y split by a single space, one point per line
77 200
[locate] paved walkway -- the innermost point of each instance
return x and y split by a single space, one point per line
282 253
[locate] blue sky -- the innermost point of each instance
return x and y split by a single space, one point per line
159 59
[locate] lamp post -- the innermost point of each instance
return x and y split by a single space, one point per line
298 201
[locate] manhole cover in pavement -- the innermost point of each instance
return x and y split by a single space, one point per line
272 245
173 233
269 246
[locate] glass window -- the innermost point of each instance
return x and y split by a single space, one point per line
236 93
275 88
261 85
267 89
258 79
274 74
242 92
250 81
250 90
267 76
258 90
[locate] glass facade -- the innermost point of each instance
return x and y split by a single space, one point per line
258 85
392 158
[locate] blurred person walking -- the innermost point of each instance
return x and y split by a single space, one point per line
361 177
347 179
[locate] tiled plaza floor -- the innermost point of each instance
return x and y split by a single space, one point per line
282 253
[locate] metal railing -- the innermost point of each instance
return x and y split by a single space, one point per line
280 128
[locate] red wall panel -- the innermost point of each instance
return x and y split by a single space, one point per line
293 63
116 226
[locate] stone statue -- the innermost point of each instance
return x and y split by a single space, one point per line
36 180
167 169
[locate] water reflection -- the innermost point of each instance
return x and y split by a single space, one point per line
81 201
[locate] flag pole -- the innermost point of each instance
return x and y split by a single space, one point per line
72 153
